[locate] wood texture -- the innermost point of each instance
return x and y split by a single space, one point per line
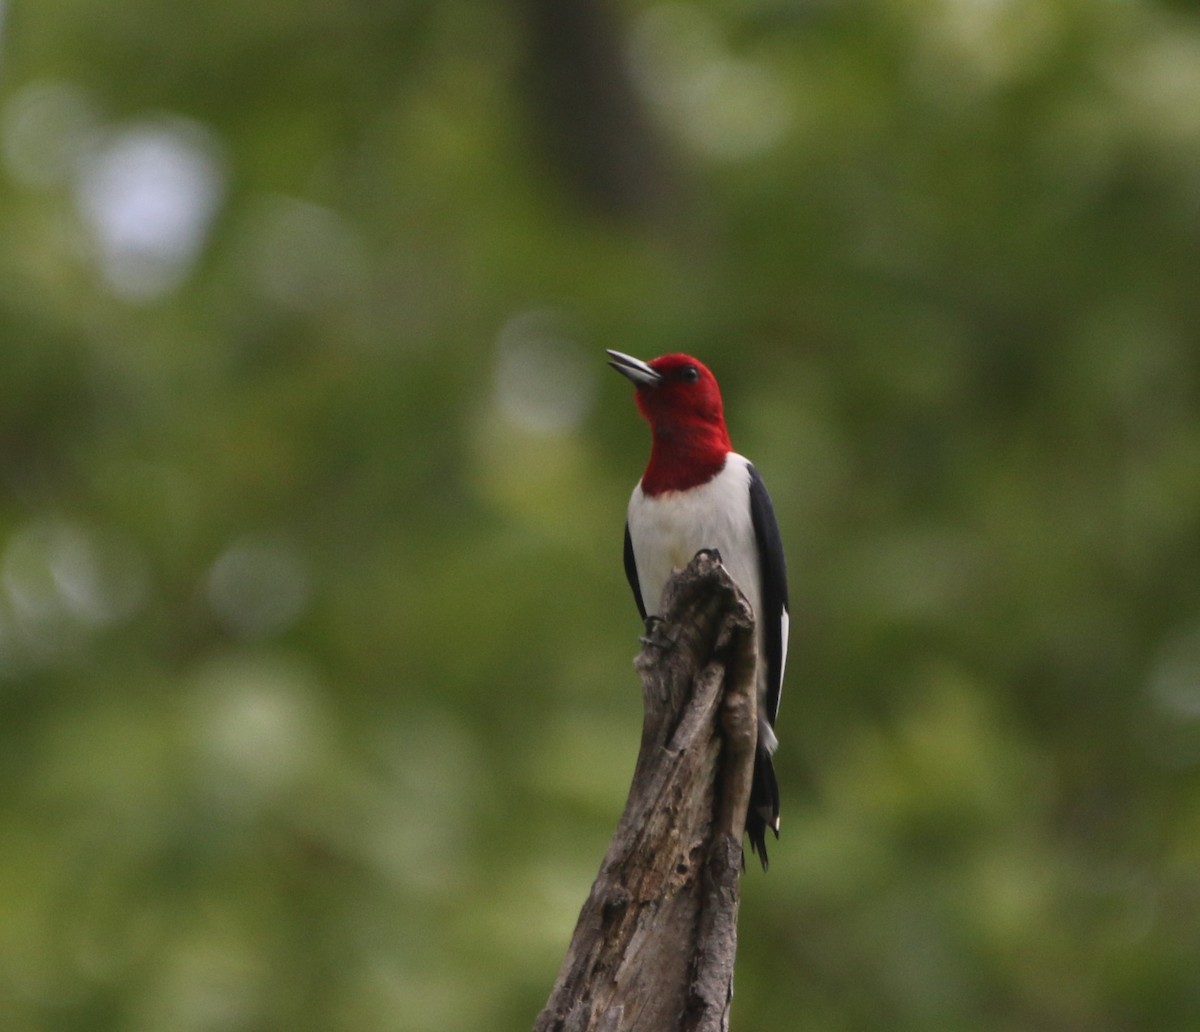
655 942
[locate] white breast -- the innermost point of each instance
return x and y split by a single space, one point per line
667 530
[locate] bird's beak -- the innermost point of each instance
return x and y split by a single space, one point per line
637 370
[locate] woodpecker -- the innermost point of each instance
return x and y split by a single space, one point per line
698 493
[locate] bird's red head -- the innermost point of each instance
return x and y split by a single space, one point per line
680 399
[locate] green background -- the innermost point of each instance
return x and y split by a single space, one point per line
316 705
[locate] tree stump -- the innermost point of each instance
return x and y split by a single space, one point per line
654 946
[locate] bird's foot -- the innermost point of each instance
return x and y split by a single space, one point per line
647 639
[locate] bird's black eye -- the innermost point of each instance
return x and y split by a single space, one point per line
689 374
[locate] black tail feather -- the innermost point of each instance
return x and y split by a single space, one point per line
763 811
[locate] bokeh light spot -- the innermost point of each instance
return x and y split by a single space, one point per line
148 194
303 256
544 380
725 106
257 725
60 580
1175 677
258 587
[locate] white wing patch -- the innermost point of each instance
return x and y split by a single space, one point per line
784 621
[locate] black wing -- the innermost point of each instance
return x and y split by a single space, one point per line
763 812
631 573
773 575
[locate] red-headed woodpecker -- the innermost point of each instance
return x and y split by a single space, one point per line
698 493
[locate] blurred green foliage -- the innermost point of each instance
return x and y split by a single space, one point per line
316 709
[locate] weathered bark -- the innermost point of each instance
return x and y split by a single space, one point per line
655 941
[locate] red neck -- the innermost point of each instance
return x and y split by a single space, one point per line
684 457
